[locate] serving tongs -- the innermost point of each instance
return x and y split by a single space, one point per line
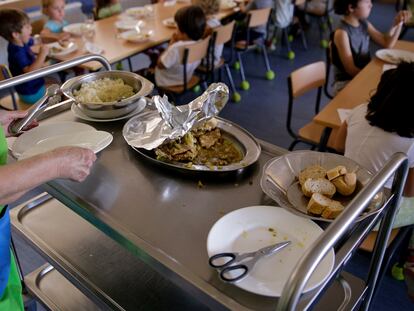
51 97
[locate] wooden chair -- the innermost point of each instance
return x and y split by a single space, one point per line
301 81
10 101
222 35
255 18
192 53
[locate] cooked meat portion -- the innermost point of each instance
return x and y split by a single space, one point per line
204 145
210 138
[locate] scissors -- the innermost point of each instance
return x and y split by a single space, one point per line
239 263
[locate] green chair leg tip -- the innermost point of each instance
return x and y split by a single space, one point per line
196 89
236 97
245 85
397 272
270 75
324 44
236 65
291 55
290 38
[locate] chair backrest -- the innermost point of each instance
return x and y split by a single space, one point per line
224 33
4 75
258 17
307 78
196 51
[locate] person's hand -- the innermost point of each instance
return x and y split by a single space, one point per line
402 17
64 36
73 162
7 117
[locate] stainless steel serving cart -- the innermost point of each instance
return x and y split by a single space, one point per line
141 235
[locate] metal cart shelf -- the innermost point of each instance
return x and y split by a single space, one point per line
163 219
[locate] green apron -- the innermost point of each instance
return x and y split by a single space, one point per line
11 290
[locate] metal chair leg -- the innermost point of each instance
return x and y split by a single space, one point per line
242 75
230 77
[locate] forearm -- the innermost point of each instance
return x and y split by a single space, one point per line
391 37
22 176
40 62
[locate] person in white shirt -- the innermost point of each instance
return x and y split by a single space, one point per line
375 131
191 24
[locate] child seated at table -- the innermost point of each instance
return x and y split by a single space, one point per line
351 40
259 32
107 8
210 9
191 24
16 29
53 28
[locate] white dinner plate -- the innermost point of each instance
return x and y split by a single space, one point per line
139 11
227 4
169 22
134 36
57 50
91 139
76 29
251 228
78 113
394 56
126 24
28 139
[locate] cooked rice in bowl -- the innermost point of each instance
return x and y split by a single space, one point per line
103 91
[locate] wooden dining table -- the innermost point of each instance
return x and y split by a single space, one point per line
356 92
116 49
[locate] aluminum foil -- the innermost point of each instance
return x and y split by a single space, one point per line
165 121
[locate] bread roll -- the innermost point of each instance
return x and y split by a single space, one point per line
318 185
314 171
345 184
321 205
336 172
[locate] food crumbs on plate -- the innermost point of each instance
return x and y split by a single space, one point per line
271 229
200 184
285 238
219 167
244 234
300 244
189 165
274 234
222 212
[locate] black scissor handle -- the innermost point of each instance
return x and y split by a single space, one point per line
221 255
228 269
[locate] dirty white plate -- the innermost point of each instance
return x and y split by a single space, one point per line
137 37
29 139
394 56
126 24
251 228
78 113
227 4
139 11
93 48
91 139
169 22
76 29
57 50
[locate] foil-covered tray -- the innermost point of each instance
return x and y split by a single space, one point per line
242 140
280 181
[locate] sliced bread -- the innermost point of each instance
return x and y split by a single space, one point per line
314 171
345 184
321 205
318 185
336 172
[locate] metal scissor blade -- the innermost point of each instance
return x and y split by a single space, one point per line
273 248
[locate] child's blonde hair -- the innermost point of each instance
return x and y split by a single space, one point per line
46 4
209 7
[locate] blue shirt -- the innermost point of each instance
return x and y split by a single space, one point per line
19 58
54 26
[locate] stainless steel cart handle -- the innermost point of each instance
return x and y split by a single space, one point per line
39 73
293 288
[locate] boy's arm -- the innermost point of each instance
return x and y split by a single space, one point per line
48 36
341 41
389 38
40 60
